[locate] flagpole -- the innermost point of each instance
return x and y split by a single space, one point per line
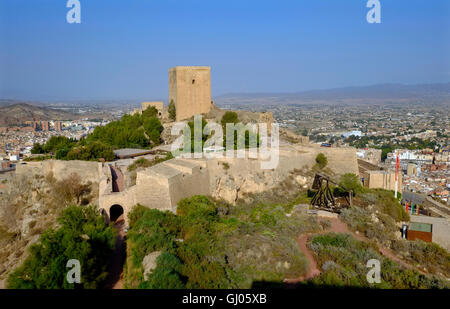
396 175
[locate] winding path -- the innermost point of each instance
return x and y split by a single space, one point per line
336 226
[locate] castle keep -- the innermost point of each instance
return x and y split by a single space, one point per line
190 90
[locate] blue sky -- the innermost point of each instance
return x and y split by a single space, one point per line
124 48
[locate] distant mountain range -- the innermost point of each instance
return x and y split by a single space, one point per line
436 94
379 94
18 113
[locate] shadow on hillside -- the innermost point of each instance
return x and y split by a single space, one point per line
117 259
306 285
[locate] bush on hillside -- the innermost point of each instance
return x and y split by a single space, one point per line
91 152
343 262
229 117
172 111
131 131
166 275
321 161
428 255
351 182
385 202
218 246
83 235
144 163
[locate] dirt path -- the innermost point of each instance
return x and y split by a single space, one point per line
115 265
313 269
337 226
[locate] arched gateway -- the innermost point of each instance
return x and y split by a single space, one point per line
161 187
115 211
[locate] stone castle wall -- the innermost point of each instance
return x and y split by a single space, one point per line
87 170
190 90
340 160
193 180
156 104
243 175
159 105
382 180
162 186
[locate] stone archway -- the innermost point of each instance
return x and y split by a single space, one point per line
115 211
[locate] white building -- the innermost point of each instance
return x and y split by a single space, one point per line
352 133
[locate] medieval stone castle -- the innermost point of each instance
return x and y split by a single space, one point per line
163 185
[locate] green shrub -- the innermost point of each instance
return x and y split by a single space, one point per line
229 117
218 246
343 262
360 219
321 160
172 111
166 275
37 149
226 166
92 151
385 202
84 236
153 128
58 142
197 207
144 163
428 255
351 182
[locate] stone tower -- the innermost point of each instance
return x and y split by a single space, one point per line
190 90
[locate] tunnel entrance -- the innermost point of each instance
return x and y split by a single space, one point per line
115 212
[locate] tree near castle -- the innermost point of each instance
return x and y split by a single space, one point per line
132 131
229 117
351 182
321 160
172 111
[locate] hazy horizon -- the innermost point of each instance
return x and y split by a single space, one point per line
268 93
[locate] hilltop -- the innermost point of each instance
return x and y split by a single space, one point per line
18 113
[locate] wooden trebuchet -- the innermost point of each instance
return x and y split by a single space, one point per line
324 198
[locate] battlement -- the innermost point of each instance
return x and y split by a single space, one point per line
196 68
